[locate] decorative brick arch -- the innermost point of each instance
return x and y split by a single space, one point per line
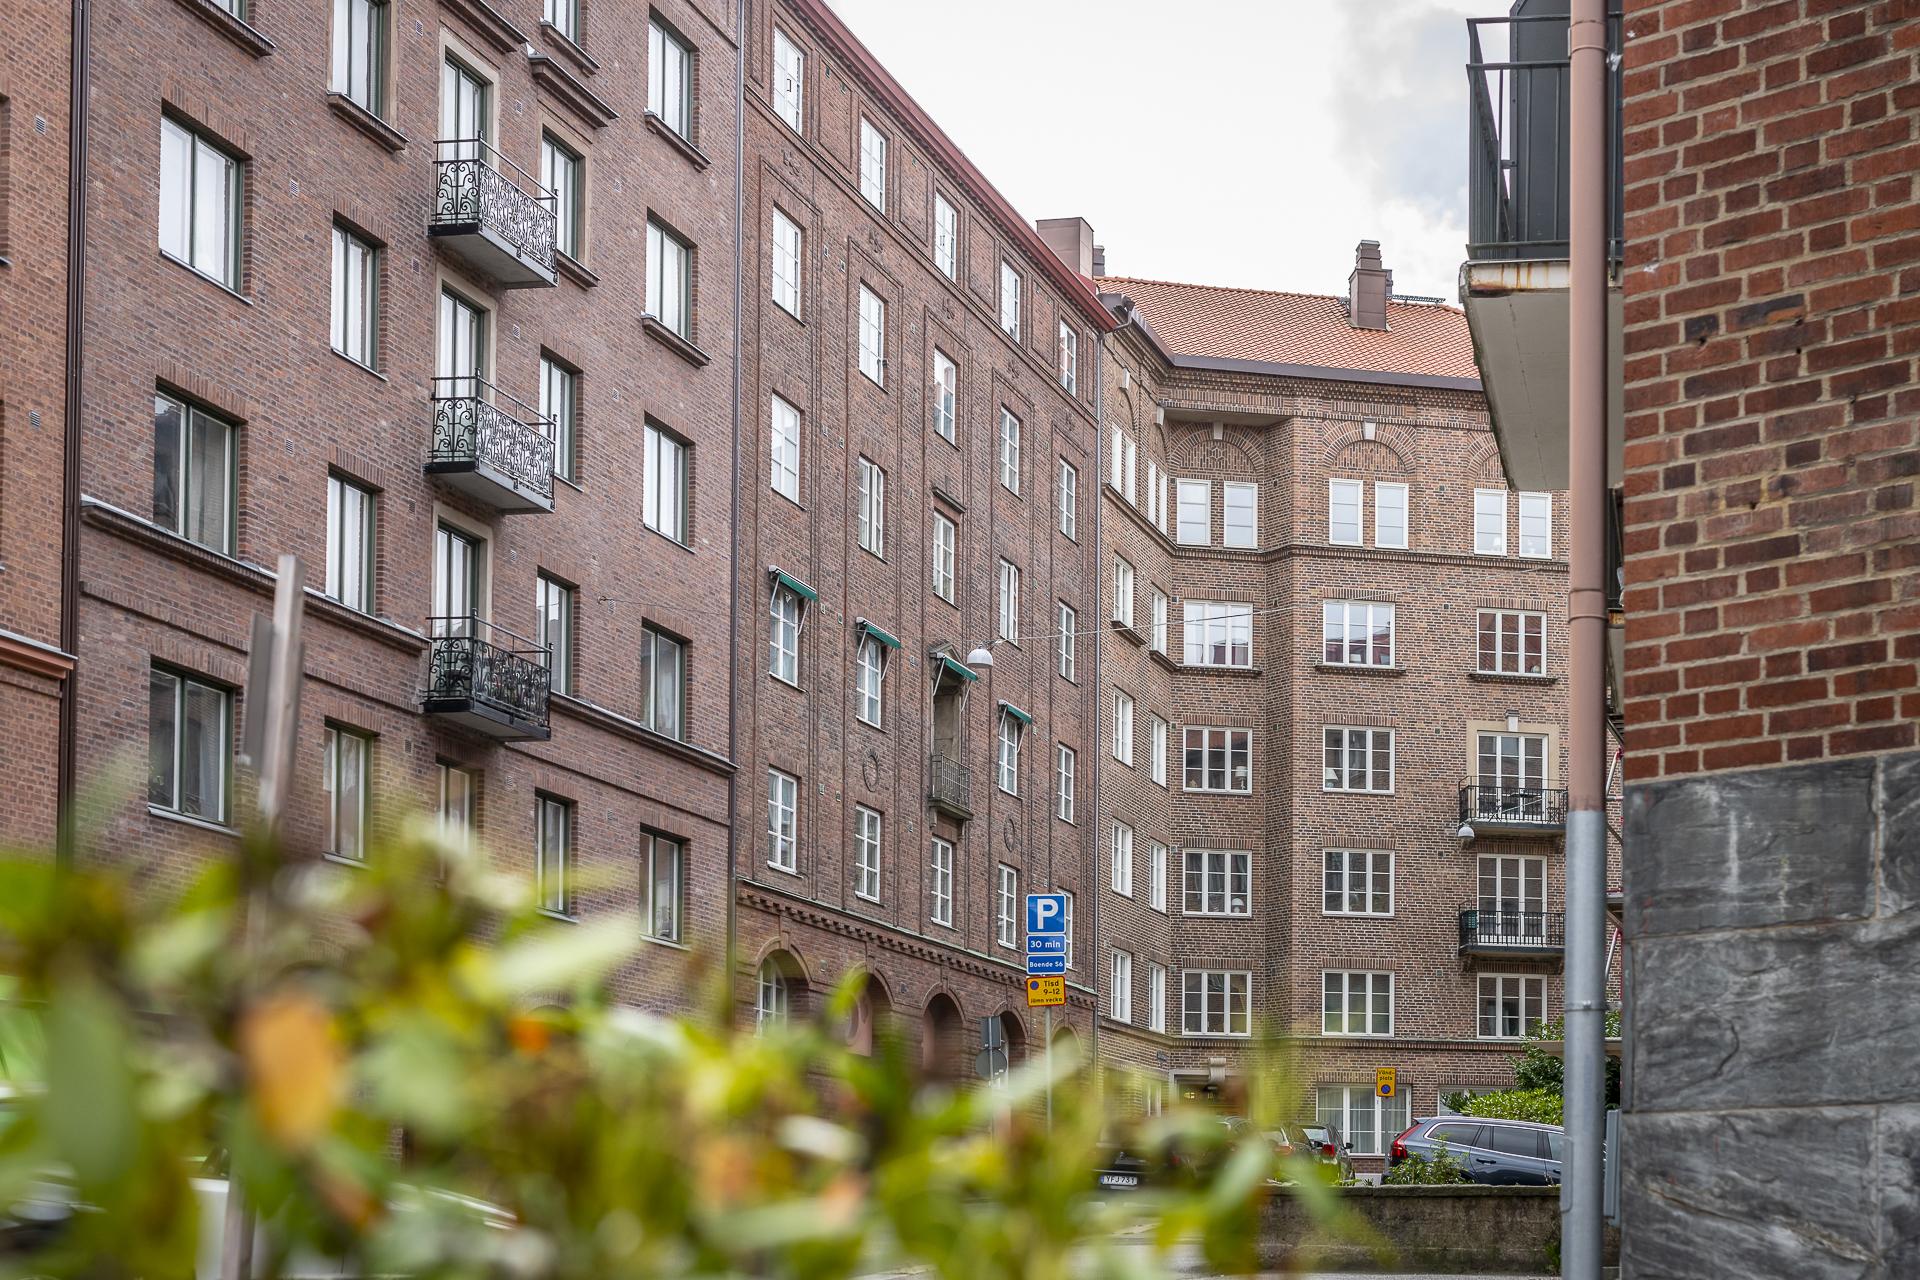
1225 456
1390 451
1483 462
945 1049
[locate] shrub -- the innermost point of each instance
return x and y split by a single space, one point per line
1418 1170
1539 1105
1539 1070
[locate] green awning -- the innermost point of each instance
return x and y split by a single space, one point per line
794 584
957 669
877 634
1017 713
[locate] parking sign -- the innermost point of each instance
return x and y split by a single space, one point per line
1046 913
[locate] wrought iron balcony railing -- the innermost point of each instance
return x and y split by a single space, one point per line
1511 932
491 445
486 678
1498 806
494 212
952 785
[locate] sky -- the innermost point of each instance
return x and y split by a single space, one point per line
1238 142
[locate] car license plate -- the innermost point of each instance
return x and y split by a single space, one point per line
1119 1180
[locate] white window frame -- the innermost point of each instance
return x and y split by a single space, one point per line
1241 535
670 79
1536 526
1341 620
207 240
1338 492
867 838
1208 626
1131 471
665 507
1066 764
873 336
1068 494
359 58
1009 620
564 16
1069 358
873 165
669 855
1010 285
1009 450
1389 1115
946 538
1006 758
1529 989
1341 880
946 397
1389 497
1123 727
1120 991
184 692
1223 741
1501 652
1157 738
355 330
783 821
1066 922
664 682
946 236
870 681
1211 878
1006 906
1157 876
1490 522
1156 997
1120 877
940 882
553 612
1225 1021
1068 640
563 173
1337 987
786 263
772 1001
553 866
789 81
195 509
456 810
783 470
1123 584
786 615
350 545
669 279
872 520
1345 748
1157 621
346 775
1193 512
559 398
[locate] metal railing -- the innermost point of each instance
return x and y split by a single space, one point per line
952 782
477 186
473 660
470 425
1544 807
1481 929
1517 88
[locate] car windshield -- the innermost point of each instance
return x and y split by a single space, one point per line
1315 1134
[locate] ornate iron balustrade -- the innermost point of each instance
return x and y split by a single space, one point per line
1503 806
472 188
1538 931
473 663
952 784
471 427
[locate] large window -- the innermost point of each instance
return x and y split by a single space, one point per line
459 577
553 623
193 473
1122 592
670 79
1156 997
772 998
664 508
669 279
1006 906
1358 760
349 544
1123 727
1511 1005
872 516
561 170
1122 870
1357 633
1065 765
1490 522
663 683
560 410
1218 760
873 164
466 110
1345 501
873 336
1157 748
783 820
789 79
786 262
1365 1120
1215 1003
1010 300
189 732
1156 875
200 203
1510 762
1069 496
1357 882
1218 882
946 237
1069 358
1009 450
1356 1003
1157 627
866 853
663 864
356 297
870 680
1513 894
345 764
1536 526
1389 514
1240 515
946 376
784 465
783 633
1217 633
1193 518
940 906
1069 625
1512 642
553 854
1006 772
360 53
1009 602
1120 993
564 16
946 536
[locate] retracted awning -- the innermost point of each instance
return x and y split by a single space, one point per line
793 584
884 638
1017 713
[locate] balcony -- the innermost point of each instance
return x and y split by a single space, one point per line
492 214
483 449
1487 810
952 789
486 679
1514 934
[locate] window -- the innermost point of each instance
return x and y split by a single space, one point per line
1345 501
360 53
1357 882
940 909
1215 1003
945 535
1009 602
1356 1004
1122 872
559 410
789 79
1513 642
553 855
785 467
771 997
553 622
1366 1120
1069 358
1006 905
1009 450
670 79
459 565
663 865
1490 522
1511 1005
1217 634
1157 875
664 507
1240 520
356 297
189 731
1120 994
1065 763
663 683
349 544
941 400
1066 924
870 680
1357 633
1511 762
1069 496
1218 760
1193 522
345 758
1359 760
193 473
873 336
866 853
466 110
946 236
1157 738
1010 301
1513 894
1122 592
1156 997
1160 496
1219 882
786 262
1123 728
669 280
783 636
560 173
199 204
783 820
1153 494
1389 514
1116 465
1157 632
564 16
1067 640
1536 525
1006 772
1130 471
873 165
872 521
460 362
459 789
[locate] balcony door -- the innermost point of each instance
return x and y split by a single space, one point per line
466 112
462 361
457 561
1512 774
1513 897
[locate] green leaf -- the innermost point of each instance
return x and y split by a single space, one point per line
91 1116
559 958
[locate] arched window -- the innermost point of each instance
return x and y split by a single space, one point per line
770 1005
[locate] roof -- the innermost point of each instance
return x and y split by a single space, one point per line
1421 339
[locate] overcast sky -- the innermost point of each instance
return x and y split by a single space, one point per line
1243 142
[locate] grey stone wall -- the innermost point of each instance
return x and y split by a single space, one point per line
1416 1230
1772 1117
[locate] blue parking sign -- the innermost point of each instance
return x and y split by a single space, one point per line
1038 964
1046 913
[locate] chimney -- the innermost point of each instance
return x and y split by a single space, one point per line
1099 260
1368 287
1071 240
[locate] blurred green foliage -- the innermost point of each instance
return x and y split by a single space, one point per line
1422 1170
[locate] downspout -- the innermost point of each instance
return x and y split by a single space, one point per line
1092 858
65 766
732 950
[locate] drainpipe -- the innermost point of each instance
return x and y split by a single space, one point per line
77 114
1586 991
732 945
1092 862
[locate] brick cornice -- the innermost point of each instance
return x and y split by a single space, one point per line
24 653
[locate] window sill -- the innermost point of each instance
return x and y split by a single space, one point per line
570 482
596 112
564 917
188 820
694 155
364 368
234 29
669 539
340 859
1510 677
673 342
215 281
1125 631
668 943
575 270
569 48
1220 669
367 122
1351 791
1358 669
785 871
1161 658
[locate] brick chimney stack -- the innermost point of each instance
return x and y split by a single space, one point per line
1368 287
1071 240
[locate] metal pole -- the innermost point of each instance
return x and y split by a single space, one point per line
1047 1031
1586 993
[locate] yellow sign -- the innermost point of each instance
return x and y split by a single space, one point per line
1044 992
1383 1082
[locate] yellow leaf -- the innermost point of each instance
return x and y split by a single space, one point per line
293 1066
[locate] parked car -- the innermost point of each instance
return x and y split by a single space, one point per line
1128 1169
1333 1153
1511 1153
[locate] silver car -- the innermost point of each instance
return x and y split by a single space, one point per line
1511 1153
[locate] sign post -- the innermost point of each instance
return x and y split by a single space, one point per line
1047 944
